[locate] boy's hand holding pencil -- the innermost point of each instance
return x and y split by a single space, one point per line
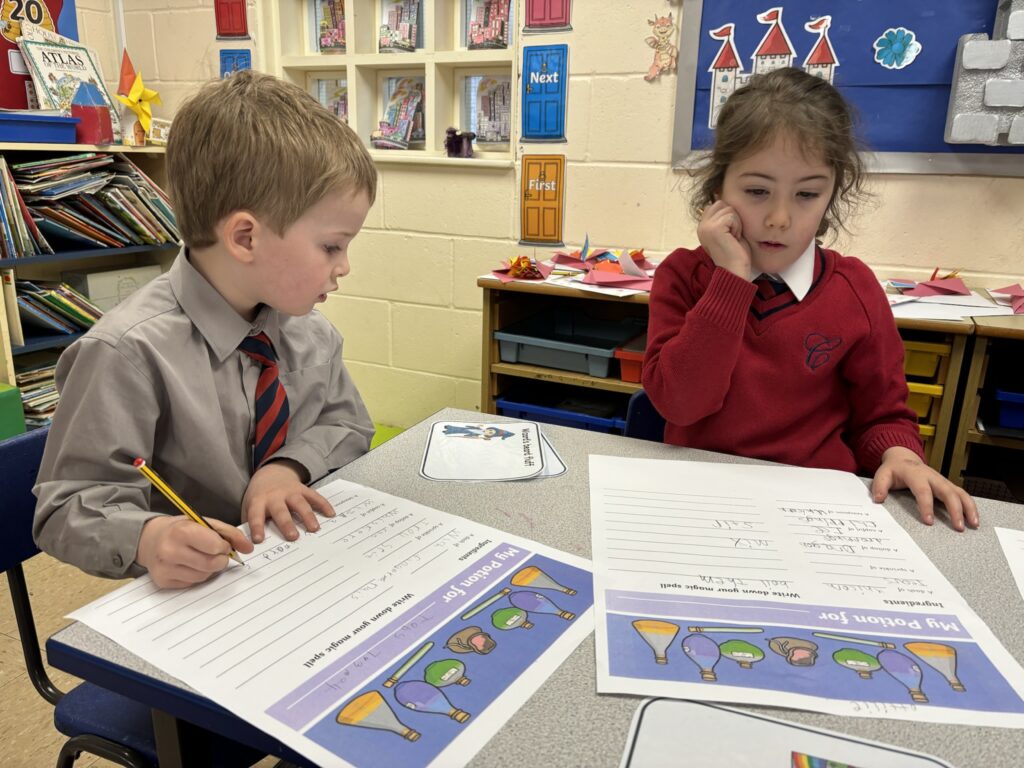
181 551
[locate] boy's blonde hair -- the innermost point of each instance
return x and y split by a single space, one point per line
252 142
806 109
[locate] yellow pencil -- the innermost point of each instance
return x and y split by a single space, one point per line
176 500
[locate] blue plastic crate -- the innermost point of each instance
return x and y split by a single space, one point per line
1011 409
559 416
567 342
39 129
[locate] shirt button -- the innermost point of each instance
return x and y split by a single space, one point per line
118 561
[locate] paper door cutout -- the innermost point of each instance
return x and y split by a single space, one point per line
545 80
542 199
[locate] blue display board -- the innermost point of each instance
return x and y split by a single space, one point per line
902 107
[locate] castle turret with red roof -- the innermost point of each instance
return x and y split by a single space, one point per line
822 60
725 71
775 50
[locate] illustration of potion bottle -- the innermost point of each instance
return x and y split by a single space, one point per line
535 578
511 618
743 653
424 697
941 658
861 663
657 634
703 651
471 640
446 672
535 602
370 710
905 671
795 650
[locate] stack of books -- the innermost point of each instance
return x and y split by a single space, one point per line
33 375
91 199
53 308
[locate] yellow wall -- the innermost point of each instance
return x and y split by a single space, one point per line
410 311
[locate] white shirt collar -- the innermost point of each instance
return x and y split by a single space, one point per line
799 275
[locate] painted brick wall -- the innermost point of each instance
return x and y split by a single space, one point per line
410 310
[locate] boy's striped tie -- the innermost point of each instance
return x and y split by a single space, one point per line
271 400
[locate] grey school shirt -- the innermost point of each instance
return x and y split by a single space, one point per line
160 377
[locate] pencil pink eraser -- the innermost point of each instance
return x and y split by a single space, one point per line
138 463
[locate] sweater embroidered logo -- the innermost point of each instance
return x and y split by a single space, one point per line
819 349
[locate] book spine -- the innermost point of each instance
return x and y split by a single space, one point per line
10 297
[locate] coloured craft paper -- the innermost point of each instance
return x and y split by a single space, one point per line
395 635
952 286
1011 295
782 586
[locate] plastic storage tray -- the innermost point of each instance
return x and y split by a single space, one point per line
560 416
43 129
922 358
631 358
569 343
922 396
1011 409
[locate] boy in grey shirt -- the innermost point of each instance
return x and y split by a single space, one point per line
218 372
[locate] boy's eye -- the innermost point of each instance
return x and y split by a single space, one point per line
330 250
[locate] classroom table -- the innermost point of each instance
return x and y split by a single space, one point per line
566 722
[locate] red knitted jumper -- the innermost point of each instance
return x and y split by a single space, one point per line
815 383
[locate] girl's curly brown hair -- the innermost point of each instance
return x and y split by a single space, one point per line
806 109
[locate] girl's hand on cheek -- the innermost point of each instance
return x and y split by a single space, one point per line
720 231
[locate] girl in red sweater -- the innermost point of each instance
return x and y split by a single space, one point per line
761 342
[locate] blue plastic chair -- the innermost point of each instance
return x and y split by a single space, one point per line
642 419
95 720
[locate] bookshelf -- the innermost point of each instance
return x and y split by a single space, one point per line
443 62
49 267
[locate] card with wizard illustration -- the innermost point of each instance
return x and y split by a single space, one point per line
474 452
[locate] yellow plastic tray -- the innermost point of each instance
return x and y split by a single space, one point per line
921 358
922 396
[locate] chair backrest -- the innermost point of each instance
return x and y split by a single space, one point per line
19 464
642 419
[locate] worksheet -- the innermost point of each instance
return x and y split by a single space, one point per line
1012 542
395 635
782 586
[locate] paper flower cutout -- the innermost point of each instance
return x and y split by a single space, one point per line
523 268
140 100
896 48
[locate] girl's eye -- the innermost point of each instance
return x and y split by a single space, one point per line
809 195
757 192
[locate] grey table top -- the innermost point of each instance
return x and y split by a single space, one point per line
566 722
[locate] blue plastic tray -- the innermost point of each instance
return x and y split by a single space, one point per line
559 416
1011 409
41 129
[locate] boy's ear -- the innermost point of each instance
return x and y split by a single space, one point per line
238 234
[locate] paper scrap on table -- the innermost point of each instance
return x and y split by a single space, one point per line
946 287
1012 542
782 586
1012 295
664 729
395 635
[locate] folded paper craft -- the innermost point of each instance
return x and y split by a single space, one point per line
522 268
952 286
1012 295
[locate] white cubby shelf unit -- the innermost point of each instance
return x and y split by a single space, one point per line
444 63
